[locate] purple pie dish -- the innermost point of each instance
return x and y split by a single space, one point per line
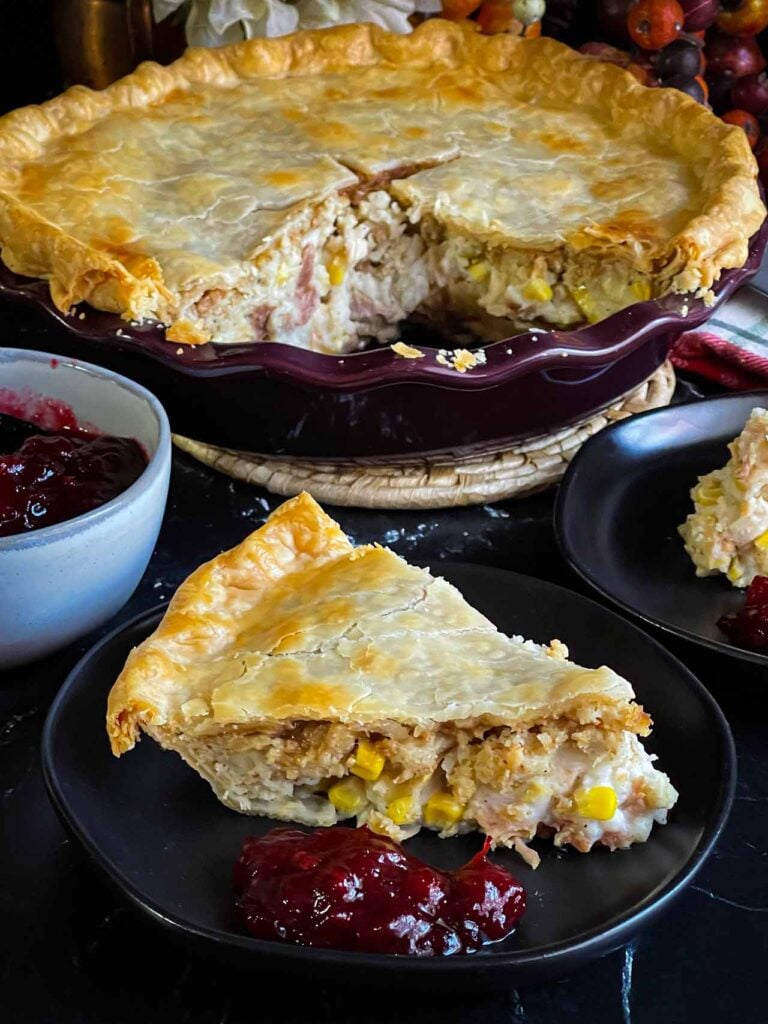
375 405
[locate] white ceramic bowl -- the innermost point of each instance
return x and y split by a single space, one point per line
62 581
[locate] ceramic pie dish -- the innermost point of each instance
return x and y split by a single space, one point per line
277 399
489 186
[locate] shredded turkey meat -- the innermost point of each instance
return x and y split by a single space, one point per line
579 782
354 268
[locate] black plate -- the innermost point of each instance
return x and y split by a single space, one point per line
621 502
161 835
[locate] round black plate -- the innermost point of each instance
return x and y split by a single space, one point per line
621 502
157 830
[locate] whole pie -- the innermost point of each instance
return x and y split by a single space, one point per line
316 189
313 681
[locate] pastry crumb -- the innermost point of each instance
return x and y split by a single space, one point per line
461 359
406 351
186 333
557 649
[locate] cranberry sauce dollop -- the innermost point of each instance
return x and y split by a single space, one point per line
748 628
347 888
47 477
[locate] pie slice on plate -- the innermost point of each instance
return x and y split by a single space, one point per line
728 530
309 680
316 189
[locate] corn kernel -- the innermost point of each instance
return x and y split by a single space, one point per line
762 541
347 795
707 493
337 270
442 810
534 792
735 571
598 803
537 290
403 811
368 763
641 290
281 277
478 271
586 303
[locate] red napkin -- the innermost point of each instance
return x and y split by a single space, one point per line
717 359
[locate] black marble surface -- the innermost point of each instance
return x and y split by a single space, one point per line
73 952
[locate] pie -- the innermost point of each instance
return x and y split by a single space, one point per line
318 188
728 530
312 681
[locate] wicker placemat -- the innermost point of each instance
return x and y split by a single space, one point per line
529 466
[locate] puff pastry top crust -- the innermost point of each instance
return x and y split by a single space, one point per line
174 175
297 624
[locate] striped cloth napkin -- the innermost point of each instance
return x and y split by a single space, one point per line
733 350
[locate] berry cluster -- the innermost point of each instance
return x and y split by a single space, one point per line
708 49
519 17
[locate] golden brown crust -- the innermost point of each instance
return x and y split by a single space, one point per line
205 613
721 176
295 624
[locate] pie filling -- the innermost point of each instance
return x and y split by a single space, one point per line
579 783
353 268
728 530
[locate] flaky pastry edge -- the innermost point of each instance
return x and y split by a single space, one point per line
714 240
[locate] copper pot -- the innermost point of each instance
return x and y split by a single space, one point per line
102 40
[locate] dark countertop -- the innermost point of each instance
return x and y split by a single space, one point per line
72 951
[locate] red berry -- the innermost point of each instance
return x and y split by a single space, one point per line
690 86
748 18
746 121
655 23
733 57
751 94
699 14
682 57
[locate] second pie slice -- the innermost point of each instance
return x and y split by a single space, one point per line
312 681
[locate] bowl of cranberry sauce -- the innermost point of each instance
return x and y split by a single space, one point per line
85 460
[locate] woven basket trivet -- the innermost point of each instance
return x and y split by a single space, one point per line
529 466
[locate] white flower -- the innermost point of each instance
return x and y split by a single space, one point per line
218 22
391 14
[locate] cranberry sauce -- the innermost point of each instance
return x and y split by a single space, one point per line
348 888
748 628
47 477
